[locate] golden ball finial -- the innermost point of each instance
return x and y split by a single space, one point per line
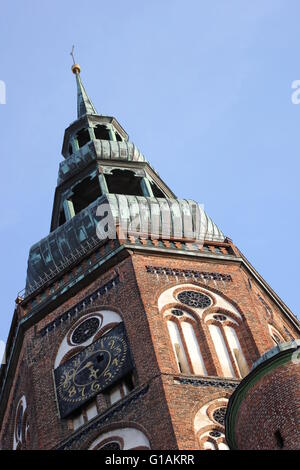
19 300
76 68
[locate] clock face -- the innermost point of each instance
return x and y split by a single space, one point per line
92 370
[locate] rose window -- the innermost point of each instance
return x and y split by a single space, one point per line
194 299
219 415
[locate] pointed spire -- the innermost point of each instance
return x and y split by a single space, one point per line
84 104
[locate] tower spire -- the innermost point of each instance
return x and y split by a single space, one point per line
84 103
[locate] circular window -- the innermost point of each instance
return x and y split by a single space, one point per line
85 330
194 299
215 434
219 415
177 312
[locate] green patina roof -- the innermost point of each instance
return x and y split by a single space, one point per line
173 218
165 218
84 103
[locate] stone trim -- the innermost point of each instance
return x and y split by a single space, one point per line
207 382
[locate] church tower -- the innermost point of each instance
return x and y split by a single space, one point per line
139 317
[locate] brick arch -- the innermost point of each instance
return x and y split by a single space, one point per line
214 395
211 290
223 311
65 350
112 439
114 428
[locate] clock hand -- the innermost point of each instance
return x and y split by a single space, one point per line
88 364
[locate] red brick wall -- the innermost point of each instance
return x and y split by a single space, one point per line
185 400
272 404
38 360
167 410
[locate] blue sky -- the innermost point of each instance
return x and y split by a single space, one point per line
202 87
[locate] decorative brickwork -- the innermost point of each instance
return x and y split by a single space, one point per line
197 275
207 383
81 306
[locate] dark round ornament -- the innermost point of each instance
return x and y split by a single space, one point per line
85 330
215 434
177 312
220 317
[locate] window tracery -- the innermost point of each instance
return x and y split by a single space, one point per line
196 315
209 425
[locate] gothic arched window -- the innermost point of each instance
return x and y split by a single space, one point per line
83 137
185 342
204 330
224 332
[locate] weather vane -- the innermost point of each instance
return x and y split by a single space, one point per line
72 55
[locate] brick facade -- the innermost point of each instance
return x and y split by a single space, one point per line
163 403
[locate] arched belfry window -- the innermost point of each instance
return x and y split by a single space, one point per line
83 137
102 132
205 332
124 182
82 334
209 425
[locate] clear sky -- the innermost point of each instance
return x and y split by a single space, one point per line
202 87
